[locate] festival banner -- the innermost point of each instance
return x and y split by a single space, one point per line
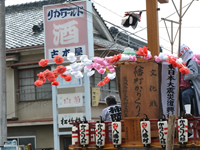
169 89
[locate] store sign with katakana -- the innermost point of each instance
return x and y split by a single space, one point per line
66 29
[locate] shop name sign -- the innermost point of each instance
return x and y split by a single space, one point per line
70 100
64 119
66 29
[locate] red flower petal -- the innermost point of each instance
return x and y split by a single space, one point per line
55 83
101 83
41 75
55 72
43 62
106 80
58 59
184 70
52 78
38 83
68 78
61 69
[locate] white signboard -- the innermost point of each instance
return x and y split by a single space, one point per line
75 82
70 100
66 29
63 119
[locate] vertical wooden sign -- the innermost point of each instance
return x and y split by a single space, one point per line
139 90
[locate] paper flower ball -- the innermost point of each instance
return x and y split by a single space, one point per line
101 83
71 57
84 57
68 78
58 59
89 74
101 71
61 69
52 78
47 73
106 80
38 83
43 62
55 83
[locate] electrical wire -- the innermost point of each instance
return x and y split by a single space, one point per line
106 21
124 29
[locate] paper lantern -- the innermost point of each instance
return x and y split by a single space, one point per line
84 133
74 135
182 130
116 134
100 134
145 128
162 131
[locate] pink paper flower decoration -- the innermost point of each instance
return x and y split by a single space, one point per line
101 71
157 59
132 58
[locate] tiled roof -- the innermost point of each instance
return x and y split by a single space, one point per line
19 29
20 20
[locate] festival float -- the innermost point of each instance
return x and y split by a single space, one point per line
145 111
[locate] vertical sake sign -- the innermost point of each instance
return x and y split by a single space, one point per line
139 90
67 29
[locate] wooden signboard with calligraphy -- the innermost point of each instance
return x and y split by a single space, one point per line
139 90
132 130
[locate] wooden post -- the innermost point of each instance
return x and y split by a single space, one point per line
170 134
29 146
152 27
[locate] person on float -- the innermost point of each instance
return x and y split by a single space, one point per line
190 83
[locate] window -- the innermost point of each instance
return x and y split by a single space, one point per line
28 91
109 88
24 140
97 77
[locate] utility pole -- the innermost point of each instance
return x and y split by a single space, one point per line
3 116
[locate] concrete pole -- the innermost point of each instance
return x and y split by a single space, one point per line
56 137
3 117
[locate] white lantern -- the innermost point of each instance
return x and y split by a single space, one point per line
162 132
145 132
74 135
100 134
84 134
116 134
182 130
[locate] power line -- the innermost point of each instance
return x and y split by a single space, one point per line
138 25
107 21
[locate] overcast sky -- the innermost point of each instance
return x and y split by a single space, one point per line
113 11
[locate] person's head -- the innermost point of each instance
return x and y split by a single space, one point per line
185 53
111 100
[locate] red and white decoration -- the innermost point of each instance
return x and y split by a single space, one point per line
116 134
145 132
100 134
74 135
182 130
162 132
84 133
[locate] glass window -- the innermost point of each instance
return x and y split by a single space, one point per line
28 91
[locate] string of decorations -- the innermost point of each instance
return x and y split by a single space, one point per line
101 65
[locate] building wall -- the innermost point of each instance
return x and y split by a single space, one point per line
10 93
43 134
